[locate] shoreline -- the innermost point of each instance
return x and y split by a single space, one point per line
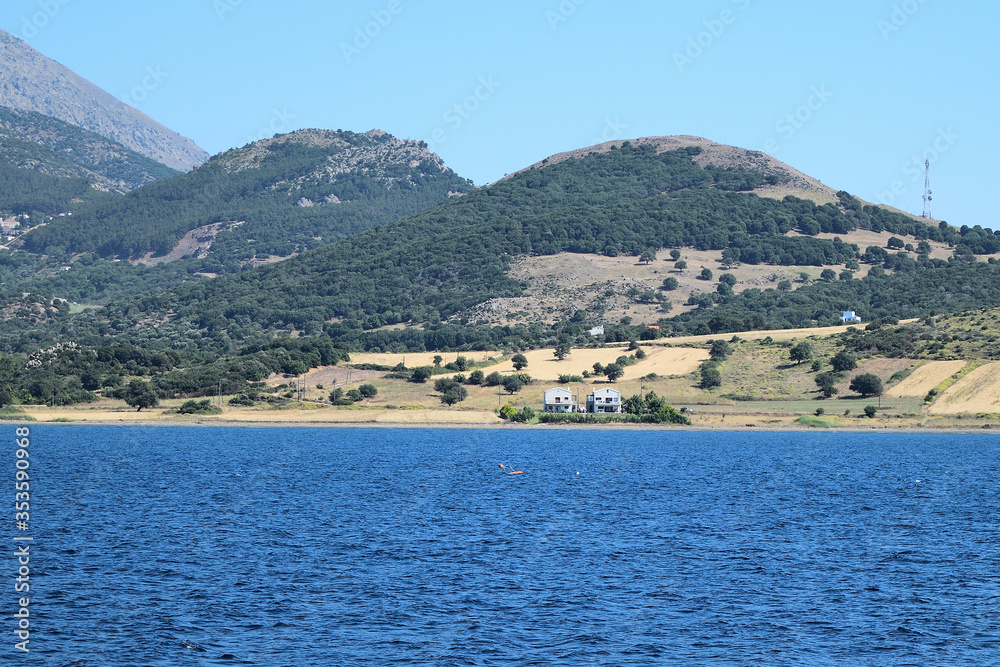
168 422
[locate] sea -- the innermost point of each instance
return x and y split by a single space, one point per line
354 546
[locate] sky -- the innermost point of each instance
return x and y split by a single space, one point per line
857 93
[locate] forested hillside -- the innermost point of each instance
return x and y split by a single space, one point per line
274 198
29 140
433 266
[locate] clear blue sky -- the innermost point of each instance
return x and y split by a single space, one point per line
887 80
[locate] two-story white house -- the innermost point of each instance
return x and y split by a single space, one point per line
560 400
604 400
848 316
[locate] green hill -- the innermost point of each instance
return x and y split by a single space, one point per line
272 198
432 267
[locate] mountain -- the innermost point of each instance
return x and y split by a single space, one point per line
437 269
270 199
29 140
30 81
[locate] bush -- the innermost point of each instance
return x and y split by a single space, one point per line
476 377
493 379
844 361
368 390
422 374
710 375
867 384
568 379
870 411
203 407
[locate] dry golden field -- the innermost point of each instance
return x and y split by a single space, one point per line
976 393
925 377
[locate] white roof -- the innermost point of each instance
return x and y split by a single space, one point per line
607 391
558 391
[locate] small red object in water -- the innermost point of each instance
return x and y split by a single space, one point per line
516 472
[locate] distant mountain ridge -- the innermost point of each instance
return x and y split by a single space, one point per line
29 140
33 82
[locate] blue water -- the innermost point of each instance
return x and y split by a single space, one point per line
210 546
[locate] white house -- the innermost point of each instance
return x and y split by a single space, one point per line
849 316
560 400
9 226
605 400
597 331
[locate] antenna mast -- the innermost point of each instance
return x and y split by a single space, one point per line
927 189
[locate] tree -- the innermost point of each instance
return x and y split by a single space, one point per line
675 254
924 248
846 275
493 379
368 390
844 361
598 368
450 398
896 243
140 395
640 354
728 279
670 284
828 275
561 351
614 372
680 265
801 352
720 350
422 374
867 384
827 383
520 361
512 384
706 274
647 256
870 411
6 398
785 286
438 359
476 377
710 375
355 396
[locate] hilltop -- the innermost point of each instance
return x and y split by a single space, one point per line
30 140
32 82
779 179
268 200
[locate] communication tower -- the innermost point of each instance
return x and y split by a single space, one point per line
928 198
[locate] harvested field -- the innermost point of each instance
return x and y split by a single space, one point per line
542 365
925 378
976 393
415 359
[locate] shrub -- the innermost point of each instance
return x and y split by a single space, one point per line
476 377
870 411
203 407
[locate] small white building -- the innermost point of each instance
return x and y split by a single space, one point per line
848 316
597 331
560 400
8 226
605 400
